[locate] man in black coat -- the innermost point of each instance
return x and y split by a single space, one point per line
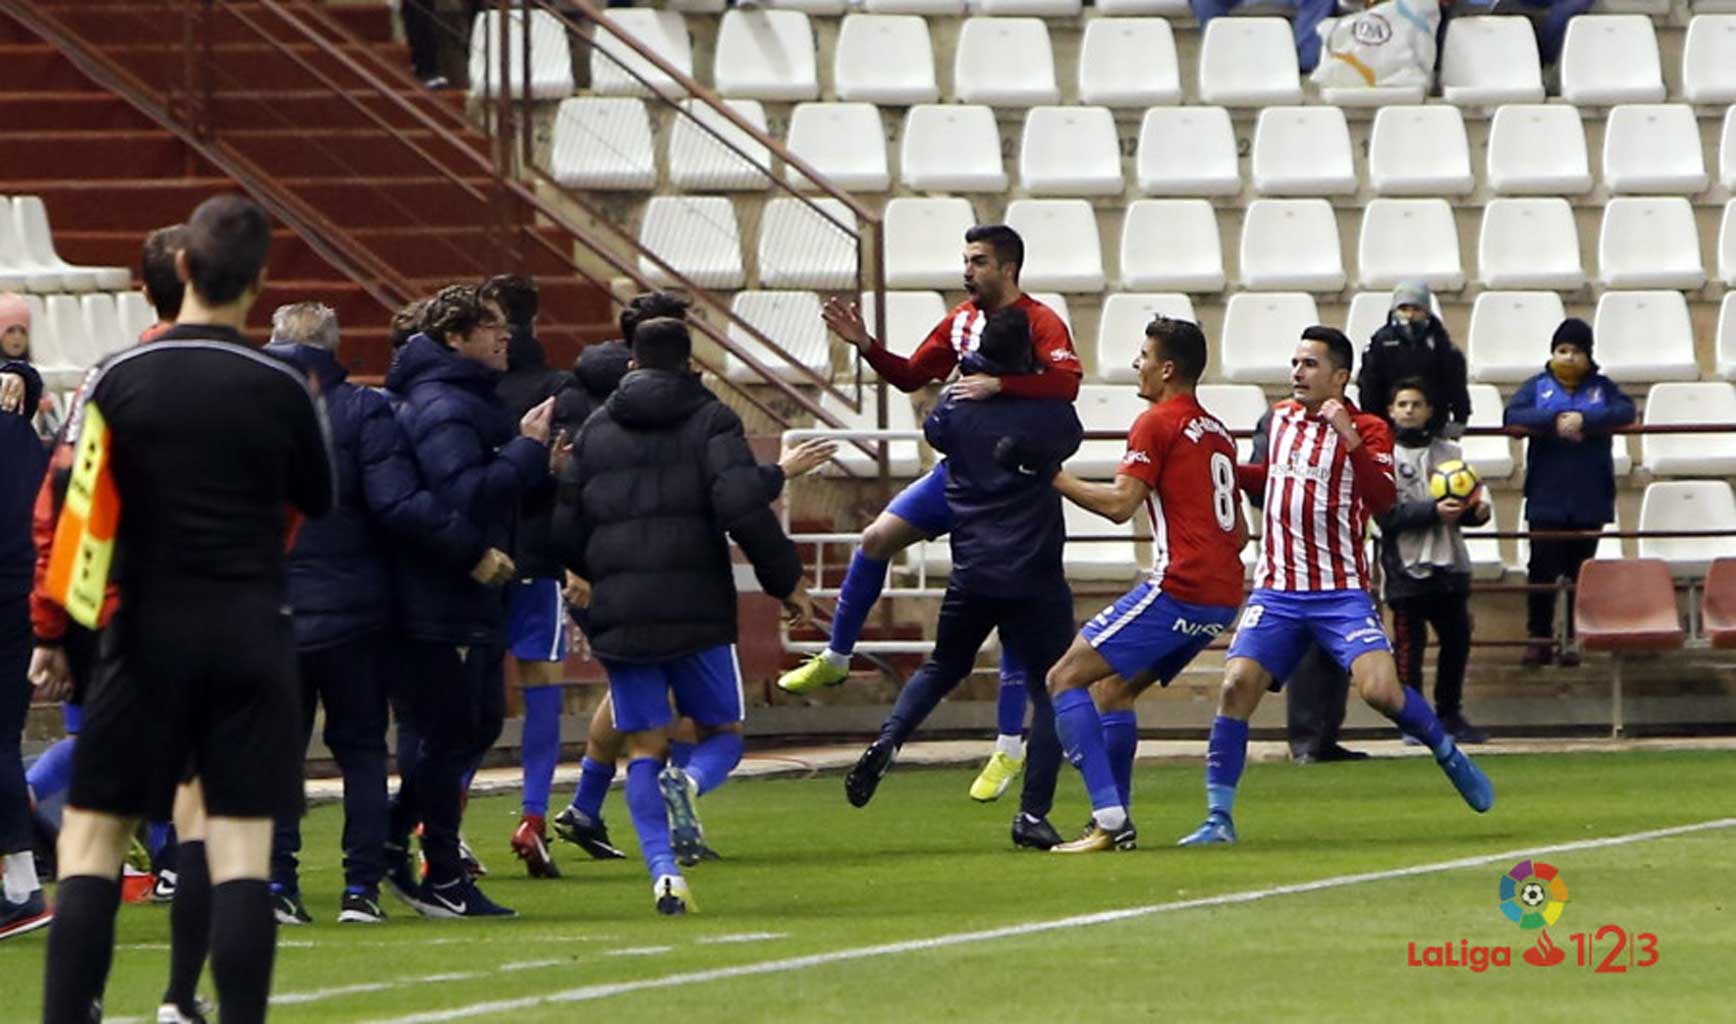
660 480
1414 343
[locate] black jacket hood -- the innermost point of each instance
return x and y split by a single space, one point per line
650 399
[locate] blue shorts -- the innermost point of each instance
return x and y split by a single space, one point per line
72 715
536 628
1147 631
923 503
706 686
1277 626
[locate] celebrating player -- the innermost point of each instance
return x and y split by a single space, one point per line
1330 468
1180 464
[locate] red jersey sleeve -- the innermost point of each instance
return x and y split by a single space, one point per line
1371 462
932 361
1147 444
1059 369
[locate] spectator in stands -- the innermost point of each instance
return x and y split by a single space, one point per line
473 459
1389 44
1568 412
46 417
1309 14
426 33
163 289
1424 561
1413 343
340 588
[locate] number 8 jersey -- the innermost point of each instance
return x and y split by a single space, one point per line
1188 460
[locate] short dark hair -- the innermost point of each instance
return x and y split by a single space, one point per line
515 294
662 343
1182 343
227 241
1006 342
650 306
157 269
407 321
1410 384
1338 348
454 309
1008 246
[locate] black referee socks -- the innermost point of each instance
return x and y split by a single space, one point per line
243 944
80 945
189 925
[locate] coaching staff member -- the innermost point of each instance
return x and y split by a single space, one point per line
215 449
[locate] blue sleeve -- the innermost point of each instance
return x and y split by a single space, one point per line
1522 409
395 496
458 465
1617 409
938 427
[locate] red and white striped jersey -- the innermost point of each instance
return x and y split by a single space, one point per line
1318 497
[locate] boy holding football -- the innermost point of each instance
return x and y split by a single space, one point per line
1426 568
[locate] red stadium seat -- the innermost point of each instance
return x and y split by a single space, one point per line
1624 605
1718 606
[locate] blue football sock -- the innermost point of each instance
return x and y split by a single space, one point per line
1081 733
1417 720
861 588
52 772
1226 755
713 759
1121 742
594 779
542 745
159 836
680 753
650 820
1010 705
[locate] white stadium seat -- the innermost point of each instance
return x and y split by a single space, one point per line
792 321
1303 151
1062 250
951 148
829 8
551 63
1727 150
700 162
1109 561
808 246
1034 8
1070 151
1409 240
1057 304
1649 243
604 143
1291 244
136 314
1509 336
1187 151
951 8
884 58
1487 61
1121 329
1491 457
617 70
1485 552
1727 245
1104 407
1239 406
1609 59
1260 333
1162 8
1607 546
1529 243
1128 62
1248 62
102 324
1004 62
1653 147
909 318
30 220
1645 336
1709 59
65 316
766 55
1171 245
925 241
1725 346
1419 151
59 368
1689 454
19 268
904 458
1688 505
845 143
695 235
1538 150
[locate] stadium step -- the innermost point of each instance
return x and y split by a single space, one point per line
118 24
82 109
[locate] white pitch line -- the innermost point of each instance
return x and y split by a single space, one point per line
639 951
531 965
727 940
588 993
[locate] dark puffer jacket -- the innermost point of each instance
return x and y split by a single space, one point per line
23 460
657 479
340 570
596 375
470 456
528 382
1393 354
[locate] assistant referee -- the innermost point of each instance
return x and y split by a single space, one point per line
215 450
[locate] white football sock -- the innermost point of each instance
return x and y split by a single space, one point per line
1110 819
836 660
1012 746
21 876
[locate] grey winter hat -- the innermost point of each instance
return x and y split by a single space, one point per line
1411 293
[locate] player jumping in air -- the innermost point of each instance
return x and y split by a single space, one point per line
1330 468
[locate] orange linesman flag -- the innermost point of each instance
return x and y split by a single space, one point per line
84 538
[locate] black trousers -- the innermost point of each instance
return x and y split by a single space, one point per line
1038 630
424 31
1551 560
1315 696
456 699
348 680
1450 616
16 639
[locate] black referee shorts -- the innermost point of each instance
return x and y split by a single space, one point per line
194 680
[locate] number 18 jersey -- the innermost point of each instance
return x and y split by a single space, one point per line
1188 460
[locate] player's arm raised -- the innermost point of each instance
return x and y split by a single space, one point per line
931 362
1369 444
1116 501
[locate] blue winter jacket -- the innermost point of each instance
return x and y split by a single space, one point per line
1566 482
470 456
1007 528
340 570
23 460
